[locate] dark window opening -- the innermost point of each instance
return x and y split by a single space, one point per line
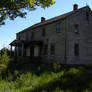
27 36
76 49
87 16
32 36
43 32
58 29
18 37
45 49
52 49
76 29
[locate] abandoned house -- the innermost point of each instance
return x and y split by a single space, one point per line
66 39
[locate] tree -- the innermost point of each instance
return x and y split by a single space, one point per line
2 51
14 8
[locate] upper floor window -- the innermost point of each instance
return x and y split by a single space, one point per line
58 29
87 16
52 49
32 36
43 32
76 49
27 36
76 29
18 37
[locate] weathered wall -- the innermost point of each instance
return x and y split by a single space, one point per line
84 38
51 36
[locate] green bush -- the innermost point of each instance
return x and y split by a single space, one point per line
4 61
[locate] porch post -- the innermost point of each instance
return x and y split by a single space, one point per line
11 51
17 51
22 49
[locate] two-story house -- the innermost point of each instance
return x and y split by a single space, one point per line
66 39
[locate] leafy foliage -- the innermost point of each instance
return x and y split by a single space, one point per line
14 8
4 60
69 79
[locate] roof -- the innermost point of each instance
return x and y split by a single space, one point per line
53 19
20 42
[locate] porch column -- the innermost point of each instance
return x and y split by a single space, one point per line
11 50
22 49
17 50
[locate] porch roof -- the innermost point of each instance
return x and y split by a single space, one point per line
21 42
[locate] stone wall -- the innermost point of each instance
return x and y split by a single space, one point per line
83 38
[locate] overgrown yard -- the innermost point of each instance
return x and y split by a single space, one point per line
19 77
68 79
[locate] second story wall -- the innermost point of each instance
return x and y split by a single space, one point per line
79 37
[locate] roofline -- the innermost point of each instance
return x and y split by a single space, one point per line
52 20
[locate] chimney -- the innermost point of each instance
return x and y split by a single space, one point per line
42 19
75 7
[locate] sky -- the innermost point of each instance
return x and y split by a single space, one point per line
9 30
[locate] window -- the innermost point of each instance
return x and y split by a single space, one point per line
32 36
18 37
76 29
52 49
76 49
87 16
58 28
45 49
27 36
43 32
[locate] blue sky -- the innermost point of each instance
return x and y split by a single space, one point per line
9 30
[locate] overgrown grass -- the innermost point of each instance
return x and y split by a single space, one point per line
67 80
43 78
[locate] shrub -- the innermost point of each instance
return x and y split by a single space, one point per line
4 60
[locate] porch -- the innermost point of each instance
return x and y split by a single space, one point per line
26 50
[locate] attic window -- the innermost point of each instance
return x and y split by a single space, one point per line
76 29
87 16
58 29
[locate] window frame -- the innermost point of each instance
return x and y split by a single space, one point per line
58 27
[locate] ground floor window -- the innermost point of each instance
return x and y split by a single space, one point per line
52 49
76 49
45 49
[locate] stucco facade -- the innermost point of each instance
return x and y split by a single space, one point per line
44 41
